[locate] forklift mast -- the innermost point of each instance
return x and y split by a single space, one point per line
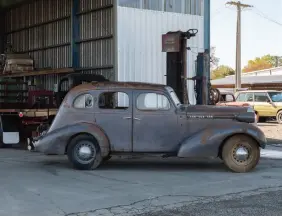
175 45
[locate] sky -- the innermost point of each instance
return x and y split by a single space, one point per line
260 36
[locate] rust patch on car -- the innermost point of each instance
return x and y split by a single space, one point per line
206 135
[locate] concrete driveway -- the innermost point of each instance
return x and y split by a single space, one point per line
32 184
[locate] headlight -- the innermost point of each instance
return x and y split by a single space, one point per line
251 110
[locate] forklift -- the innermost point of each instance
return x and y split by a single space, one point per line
174 44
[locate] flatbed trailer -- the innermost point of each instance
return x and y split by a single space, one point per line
30 112
18 125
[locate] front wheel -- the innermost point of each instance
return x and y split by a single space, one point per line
241 154
84 152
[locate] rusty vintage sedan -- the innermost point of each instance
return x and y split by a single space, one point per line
98 120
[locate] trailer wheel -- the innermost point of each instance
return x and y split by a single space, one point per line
241 153
84 152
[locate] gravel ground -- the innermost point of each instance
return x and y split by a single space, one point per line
265 204
35 183
272 131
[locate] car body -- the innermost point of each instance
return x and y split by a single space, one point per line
227 98
98 120
267 103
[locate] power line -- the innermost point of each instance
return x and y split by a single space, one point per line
239 7
261 14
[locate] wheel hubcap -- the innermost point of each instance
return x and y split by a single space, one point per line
85 152
241 154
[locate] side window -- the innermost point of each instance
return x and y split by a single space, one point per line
241 97
114 100
83 101
152 101
229 98
249 97
261 97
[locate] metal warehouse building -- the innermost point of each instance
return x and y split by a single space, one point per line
118 39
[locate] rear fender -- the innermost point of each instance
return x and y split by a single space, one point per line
61 137
206 143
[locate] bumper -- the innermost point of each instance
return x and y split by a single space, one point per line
46 145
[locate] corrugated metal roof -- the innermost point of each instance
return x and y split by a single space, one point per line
249 80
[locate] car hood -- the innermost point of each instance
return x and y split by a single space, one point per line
235 103
243 114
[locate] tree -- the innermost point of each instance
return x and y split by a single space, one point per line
222 71
264 62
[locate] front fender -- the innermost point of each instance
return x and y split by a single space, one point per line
56 141
206 143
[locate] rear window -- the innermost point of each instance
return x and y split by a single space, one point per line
245 97
83 101
261 97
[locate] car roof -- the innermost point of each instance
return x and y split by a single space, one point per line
257 91
226 92
117 85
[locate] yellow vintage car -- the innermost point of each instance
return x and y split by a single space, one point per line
266 103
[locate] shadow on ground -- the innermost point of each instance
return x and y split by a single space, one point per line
271 141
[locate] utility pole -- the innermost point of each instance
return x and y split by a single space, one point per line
239 7
277 61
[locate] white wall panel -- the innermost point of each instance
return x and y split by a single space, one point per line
140 56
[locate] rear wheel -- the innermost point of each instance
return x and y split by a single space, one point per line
84 152
107 158
279 117
241 154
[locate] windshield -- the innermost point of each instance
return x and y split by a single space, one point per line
276 96
173 96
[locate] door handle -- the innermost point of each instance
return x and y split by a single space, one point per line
127 117
138 119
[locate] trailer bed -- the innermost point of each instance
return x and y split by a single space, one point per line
30 112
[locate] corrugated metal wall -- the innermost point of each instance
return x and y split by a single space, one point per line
193 7
140 56
96 43
2 26
43 28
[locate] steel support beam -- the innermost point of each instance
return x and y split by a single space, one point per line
207 36
207 30
2 35
75 34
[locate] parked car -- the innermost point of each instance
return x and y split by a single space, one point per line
98 120
266 103
228 99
